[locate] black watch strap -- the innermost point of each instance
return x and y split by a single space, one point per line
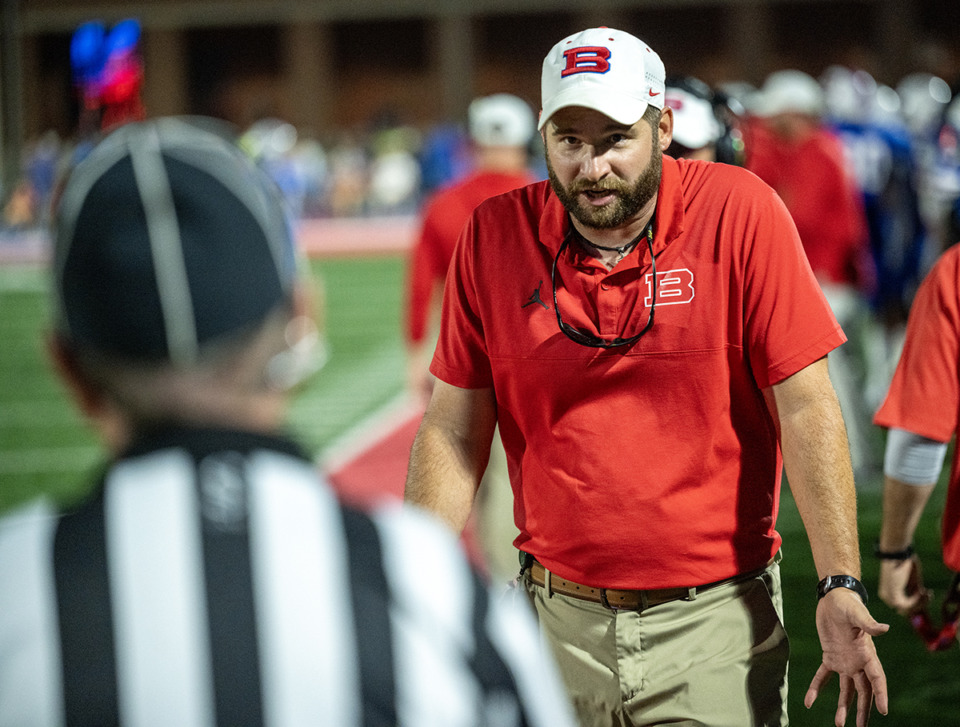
831 582
904 554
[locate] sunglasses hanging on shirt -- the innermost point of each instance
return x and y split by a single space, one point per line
588 339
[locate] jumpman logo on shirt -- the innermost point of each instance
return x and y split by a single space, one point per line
535 298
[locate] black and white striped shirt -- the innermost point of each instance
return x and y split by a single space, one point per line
214 580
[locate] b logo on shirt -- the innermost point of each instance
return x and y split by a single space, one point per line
673 287
586 59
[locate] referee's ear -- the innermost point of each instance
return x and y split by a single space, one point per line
92 400
86 394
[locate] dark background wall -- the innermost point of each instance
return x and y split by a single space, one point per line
326 65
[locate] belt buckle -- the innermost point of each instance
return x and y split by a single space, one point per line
606 603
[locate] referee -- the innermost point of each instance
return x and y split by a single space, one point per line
211 578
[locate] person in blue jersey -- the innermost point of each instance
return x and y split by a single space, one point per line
867 118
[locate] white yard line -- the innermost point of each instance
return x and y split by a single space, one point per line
369 432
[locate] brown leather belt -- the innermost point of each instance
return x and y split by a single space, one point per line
615 599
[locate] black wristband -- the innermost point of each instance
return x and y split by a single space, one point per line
831 582
892 554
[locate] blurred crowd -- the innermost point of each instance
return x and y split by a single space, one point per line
388 169
908 135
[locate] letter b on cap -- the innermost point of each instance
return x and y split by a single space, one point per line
586 59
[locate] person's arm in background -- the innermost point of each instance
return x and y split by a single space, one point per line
911 467
450 452
817 463
424 289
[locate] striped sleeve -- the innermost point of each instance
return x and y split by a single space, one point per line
463 657
30 688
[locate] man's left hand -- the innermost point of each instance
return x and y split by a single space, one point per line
846 631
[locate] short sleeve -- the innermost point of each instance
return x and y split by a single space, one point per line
923 396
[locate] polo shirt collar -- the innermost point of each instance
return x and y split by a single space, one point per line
555 222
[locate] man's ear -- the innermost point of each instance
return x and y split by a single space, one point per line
666 128
86 394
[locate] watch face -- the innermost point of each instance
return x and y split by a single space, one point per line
831 582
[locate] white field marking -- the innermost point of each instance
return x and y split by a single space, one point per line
24 279
319 410
369 432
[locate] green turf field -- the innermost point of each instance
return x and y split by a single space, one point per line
45 448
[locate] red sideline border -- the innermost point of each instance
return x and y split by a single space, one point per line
357 236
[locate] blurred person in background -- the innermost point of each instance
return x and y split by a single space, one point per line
349 178
880 149
945 176
923 99
790 148
921 415
648 336
297 165
394 175
705 122
211 577
500 128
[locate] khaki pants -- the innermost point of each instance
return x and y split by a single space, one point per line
719 660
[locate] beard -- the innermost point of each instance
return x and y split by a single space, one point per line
629 198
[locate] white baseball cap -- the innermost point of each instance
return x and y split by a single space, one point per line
790 91
694 123
500 120
603 69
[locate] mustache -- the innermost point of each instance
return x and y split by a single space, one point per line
612 185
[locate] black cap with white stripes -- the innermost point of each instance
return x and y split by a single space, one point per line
168 237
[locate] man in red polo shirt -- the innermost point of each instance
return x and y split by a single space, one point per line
650 339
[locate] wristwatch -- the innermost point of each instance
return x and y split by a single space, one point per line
831 582
904 554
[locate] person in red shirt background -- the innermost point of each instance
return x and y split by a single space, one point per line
501 127
791 149
921 415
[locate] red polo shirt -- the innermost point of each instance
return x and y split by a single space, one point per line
924 395
655 466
